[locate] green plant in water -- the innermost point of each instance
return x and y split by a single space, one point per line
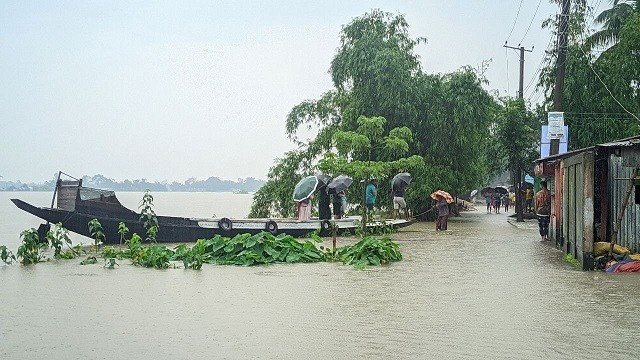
109 252
97 233
123 230
134 247
369 251
57 238
110 263
194 257
152 234
572 260
155 256
6 256
148 216
31 250
89 261
73 252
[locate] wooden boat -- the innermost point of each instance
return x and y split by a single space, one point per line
76 205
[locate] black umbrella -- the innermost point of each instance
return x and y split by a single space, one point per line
339 184
323 180
401 181
501 190
487 191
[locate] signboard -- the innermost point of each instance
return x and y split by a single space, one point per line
545 143
555 122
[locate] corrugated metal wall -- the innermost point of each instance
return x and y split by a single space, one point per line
572 204
628 235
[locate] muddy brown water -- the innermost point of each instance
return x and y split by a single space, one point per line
484 289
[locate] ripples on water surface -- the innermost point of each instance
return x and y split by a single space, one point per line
484 289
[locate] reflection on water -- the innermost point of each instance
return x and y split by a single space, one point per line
484 289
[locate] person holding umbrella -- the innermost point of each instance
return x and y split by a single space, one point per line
443 213
443 199
399 202
303 193
304 208
399 185
338 188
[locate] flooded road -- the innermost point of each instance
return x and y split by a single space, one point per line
484 289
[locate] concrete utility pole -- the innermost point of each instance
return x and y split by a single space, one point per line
558 90
518 174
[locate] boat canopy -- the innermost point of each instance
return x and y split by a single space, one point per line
95 194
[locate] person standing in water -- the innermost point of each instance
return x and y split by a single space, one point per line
543 210
443 214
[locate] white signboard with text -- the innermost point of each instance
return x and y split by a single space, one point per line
555 122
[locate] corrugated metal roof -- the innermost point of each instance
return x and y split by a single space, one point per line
621 143
631 141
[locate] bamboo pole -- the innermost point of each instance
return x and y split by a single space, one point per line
616 228
333 233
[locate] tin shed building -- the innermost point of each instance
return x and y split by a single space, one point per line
589 187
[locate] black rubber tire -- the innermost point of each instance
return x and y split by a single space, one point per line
326 226
271 227
225 224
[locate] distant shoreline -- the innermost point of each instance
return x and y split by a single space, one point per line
212 184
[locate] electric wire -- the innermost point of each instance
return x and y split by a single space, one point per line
582 41
533 18
539 68
515 21
506 58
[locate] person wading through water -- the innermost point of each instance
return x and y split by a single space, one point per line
543 210
443 214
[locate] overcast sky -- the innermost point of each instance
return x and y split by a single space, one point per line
168 90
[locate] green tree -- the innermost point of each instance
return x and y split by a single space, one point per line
517 130
612 21
368 138
600 96
393 116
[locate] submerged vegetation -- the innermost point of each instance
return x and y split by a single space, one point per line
242 250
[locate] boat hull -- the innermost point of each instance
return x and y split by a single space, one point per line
177 229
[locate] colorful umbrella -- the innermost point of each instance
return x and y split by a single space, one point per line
305 187
339 184
441 193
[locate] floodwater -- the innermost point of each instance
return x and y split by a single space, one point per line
484 289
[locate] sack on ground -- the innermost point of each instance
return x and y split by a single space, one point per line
602 248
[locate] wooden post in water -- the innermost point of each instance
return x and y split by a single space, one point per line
616 228
333 233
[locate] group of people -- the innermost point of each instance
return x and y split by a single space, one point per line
540 203
336 201
496 201
339 203
399 203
